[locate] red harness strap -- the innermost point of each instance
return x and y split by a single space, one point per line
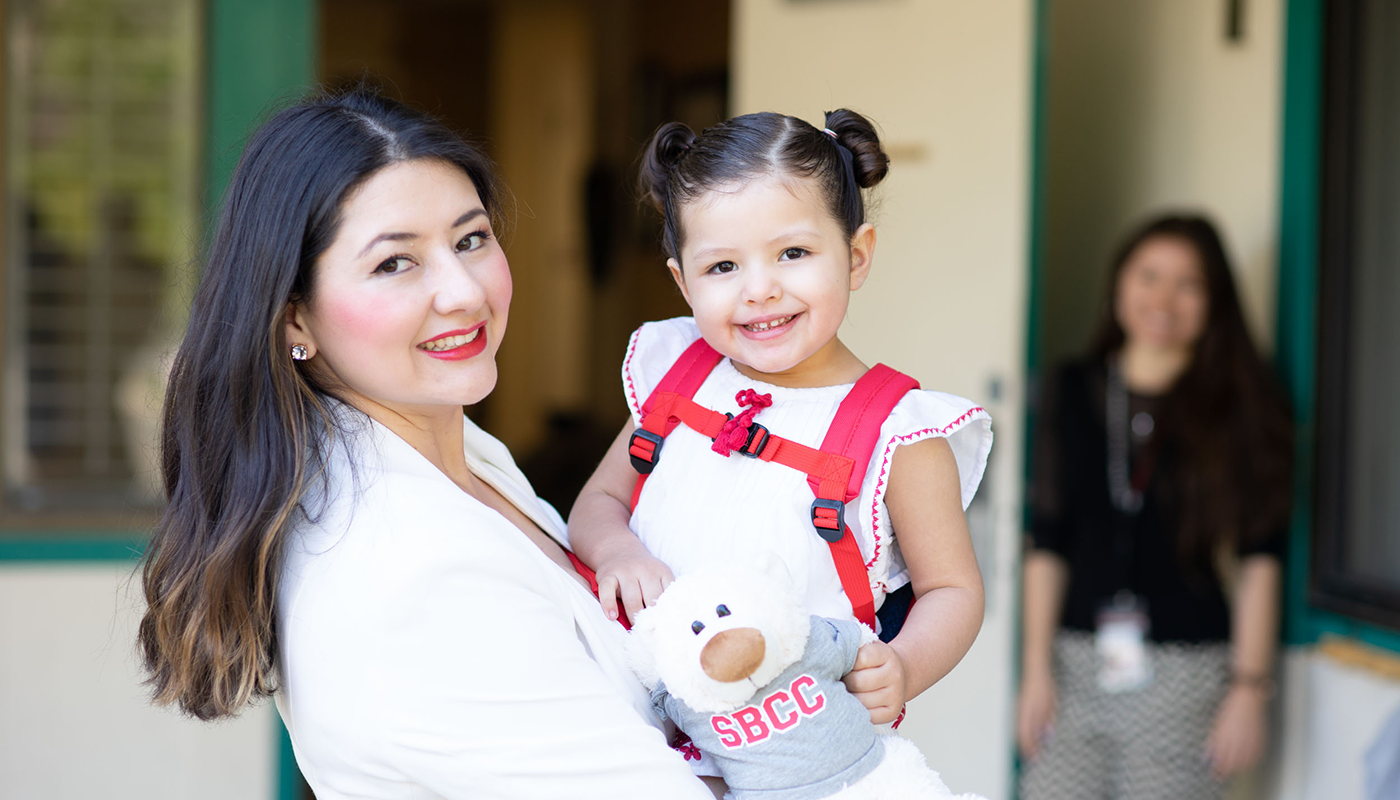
683 378
854 432
835 472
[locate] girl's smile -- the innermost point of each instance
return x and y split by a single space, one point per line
768 275
769 328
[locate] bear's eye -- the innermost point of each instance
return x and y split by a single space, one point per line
697 626
722 610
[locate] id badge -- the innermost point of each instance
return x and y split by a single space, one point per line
1121 644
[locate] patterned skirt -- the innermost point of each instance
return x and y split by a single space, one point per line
1141 745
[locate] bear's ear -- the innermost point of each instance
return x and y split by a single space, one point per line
644 624
776 571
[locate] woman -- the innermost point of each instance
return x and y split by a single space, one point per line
337 532
1160 489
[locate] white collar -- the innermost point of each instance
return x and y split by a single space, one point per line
487 458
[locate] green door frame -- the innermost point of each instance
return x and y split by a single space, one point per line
258 52
1299 230
261 53
1035 266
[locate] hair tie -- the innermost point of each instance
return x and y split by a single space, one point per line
847 157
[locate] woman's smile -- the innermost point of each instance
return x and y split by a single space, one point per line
457 345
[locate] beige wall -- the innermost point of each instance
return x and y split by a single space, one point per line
1333 710
949 83
1150 106
74 718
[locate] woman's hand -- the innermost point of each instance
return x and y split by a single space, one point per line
877 681
1035 711
633 574
1237 738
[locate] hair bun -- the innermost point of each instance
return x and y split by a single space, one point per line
857 134
668 145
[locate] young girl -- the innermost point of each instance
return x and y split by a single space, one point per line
764 226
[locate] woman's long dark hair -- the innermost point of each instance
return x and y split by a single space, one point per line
245 429
1225 418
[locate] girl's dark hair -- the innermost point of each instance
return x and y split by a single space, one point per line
678 166
245 429
1225 418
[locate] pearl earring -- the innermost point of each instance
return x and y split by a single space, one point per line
299 352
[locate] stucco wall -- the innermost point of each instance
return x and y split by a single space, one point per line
74 719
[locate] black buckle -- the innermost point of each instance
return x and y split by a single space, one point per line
643 454
829 518
749 448
756 432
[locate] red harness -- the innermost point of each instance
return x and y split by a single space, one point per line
835 472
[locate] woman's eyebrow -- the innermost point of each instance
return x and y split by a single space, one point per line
469 216
401 237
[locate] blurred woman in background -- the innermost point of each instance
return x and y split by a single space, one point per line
1160 500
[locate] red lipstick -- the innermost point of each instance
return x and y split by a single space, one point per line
461 352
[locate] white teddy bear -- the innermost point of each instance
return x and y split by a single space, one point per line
756 683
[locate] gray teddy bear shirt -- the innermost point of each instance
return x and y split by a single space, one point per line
802 736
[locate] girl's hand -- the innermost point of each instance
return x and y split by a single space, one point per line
1035 711
717 786
877 681
1236 741
636 576
600 537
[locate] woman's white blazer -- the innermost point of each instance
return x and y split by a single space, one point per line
428 649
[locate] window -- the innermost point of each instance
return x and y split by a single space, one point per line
1357 540
101 147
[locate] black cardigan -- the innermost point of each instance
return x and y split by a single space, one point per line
1071 515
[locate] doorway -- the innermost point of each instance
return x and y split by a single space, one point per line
562 95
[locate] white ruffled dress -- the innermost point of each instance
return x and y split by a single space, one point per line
701 510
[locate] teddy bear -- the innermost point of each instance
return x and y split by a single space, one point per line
755 682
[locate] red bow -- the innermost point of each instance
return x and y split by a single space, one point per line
736 431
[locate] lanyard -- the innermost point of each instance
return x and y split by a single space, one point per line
1124 488
1124 492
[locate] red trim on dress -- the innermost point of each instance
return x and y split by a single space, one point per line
894 441
627 371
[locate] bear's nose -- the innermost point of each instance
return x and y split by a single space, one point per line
732 655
